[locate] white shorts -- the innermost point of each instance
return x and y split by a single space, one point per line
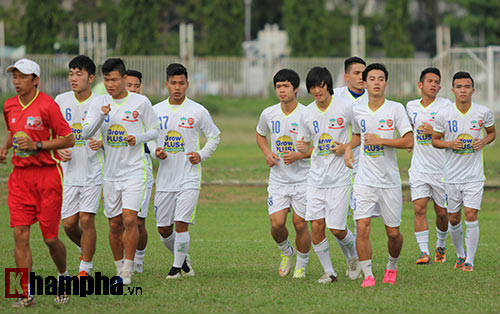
80 199
426 185
127 194
175 206
389 200
145 203
331 204
466 194
287 196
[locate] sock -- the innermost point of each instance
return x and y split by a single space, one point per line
119 265
63 274
423 240
302 260
392 263
366 267
169 242
139 256
348 246
181 247
62 288
128 265
86 266
471 240
286 248
441 238
323 251
456 234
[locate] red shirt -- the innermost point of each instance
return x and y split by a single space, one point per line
41 120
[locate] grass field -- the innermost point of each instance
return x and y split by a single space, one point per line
236 260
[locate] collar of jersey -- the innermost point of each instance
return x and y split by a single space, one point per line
31 101
350 93
368 105
428 106
82 102
460 112
178 106
323 112
123 102
287 115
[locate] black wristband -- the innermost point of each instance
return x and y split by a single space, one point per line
39 146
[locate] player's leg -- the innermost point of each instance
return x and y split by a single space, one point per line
421 227
303 244
439 198
73 230
130 239
454 201
279 233
473 194
141 245
113 211
90 198
164 204
23 257
70 214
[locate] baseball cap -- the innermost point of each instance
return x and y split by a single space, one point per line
25 66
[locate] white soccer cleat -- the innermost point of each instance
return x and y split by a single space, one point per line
354 270
327 278
126 276
187 269
299 273
286 264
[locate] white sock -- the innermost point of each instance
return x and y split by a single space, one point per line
322 249
63 274
423 240
139 256
441 238
366 267
181 247
119 265
86 266
169 242
456 234
392 262
471 240
348 246
286 248
128 265
302 260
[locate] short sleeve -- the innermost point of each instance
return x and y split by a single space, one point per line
440 121
56 121
354 123
489 118
304 131
403 122
150 118
262 127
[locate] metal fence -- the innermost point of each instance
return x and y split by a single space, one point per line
237 76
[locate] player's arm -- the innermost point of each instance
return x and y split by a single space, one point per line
4 150
26 143
348 155
438 142
94 120
212 133
490 137
271 158
405 141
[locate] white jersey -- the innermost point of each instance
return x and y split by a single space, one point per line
180 130
85 166
378 164
134 115
466 164
343 92
426 158
283 130
322 128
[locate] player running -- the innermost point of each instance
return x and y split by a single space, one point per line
82 168
376 123
127 120
459 129
426 170
288 173
326 124
179 174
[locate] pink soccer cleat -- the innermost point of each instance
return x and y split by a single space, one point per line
390 276
368 282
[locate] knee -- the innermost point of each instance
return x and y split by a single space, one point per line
87 221
454 219
277 226
115 226
69 225
300 226
420 211
393 233
165 232
442 215
21 237
51 242
340 234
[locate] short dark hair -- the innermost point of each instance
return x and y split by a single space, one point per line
375 66
113 64
318 76
461 75
176 69
429 70
134 73
83 63
287 75
352 60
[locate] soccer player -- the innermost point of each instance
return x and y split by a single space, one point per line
83 167
127 120
288 173
376 123
133 84
179 174
426 170
36 128
459 130
326 124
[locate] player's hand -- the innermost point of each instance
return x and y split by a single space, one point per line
3 155
272 159
130 140
25 143
427 128
160 153
477 144
106 109
302 146
456 144
338 148
372 139
291 157
194 157
65 154
94 144
348 157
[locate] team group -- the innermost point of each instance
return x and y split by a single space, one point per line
339 152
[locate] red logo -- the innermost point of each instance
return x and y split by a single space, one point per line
340 121
18 278
389 122
481 123
190 121
135 114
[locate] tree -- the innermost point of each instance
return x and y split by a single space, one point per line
396 31
40 25
224 27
